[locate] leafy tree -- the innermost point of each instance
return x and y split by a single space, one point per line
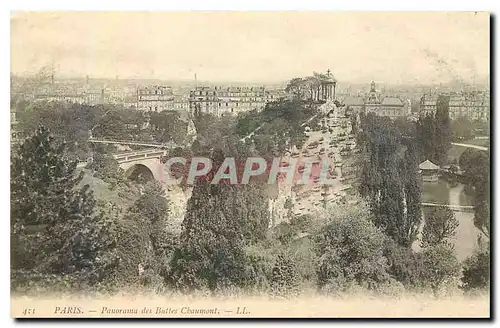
210 254
106 168
440 226
221 219
350 250
426 136
285 279
462 128
278 126
145 241
443 129
442 266
434 133
476 270
297 87
476 167
405 265
390 180
56 226
67 122
168 126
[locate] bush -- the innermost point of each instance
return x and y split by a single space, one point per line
405 265
134 249
442 267
350 250
476 271
285 280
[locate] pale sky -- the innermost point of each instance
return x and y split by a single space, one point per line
255 46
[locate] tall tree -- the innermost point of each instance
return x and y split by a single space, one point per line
221 219
476 167
145 241
443 128
56 226
211 250
434 132
390 180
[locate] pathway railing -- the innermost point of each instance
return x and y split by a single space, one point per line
470 146
457 208
133 143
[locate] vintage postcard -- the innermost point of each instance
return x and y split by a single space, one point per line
250 165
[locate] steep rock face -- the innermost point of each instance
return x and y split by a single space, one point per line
191 132
178 199
277 204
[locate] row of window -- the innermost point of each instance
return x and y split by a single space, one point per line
157 92
227 94
211 104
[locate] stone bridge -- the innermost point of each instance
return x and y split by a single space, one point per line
144 163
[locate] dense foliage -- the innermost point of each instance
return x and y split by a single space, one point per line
56 227
434 133
476 167
390 180
63 236
350 250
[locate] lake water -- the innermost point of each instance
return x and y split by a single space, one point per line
443 193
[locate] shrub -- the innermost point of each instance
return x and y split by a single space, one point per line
442 267
476 271
285 279
405 265
350 250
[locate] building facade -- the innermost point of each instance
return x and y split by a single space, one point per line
222 101
471 105
14 131
374 102
392 107
155 98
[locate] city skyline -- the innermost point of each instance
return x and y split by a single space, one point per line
265 47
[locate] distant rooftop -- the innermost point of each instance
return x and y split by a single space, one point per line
392 101
354 101
428 165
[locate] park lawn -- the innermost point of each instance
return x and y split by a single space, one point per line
102 192
456 151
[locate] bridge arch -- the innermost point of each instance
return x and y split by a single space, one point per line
139 172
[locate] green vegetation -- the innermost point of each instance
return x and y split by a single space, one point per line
390 180
440 226
434 133
59 235
476 167
95 230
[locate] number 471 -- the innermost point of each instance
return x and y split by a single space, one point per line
28 311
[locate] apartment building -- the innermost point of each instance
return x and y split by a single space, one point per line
221 101
472 105
155 98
